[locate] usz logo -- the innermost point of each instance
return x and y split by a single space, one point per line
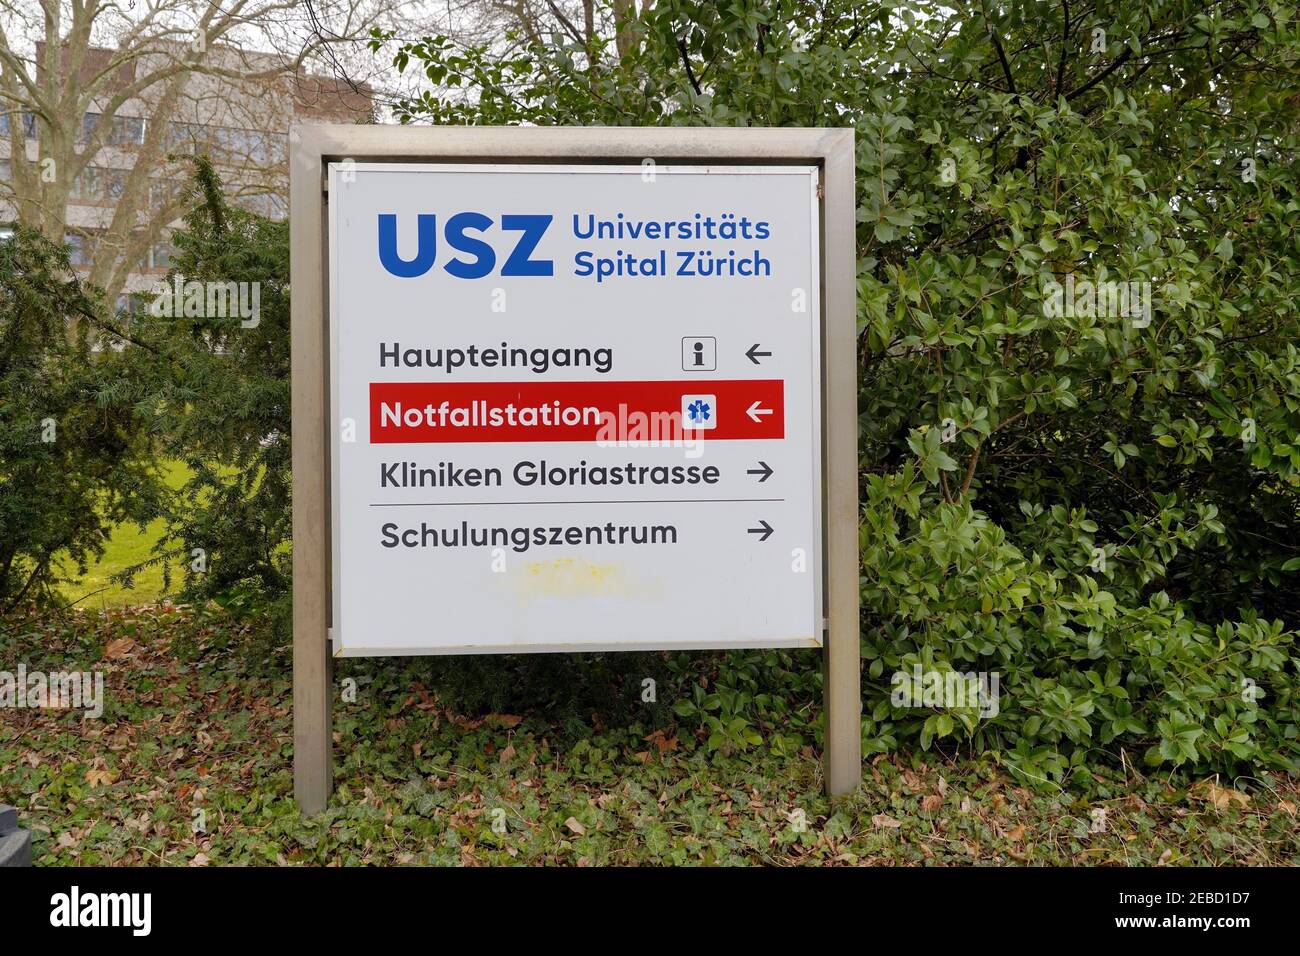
481 255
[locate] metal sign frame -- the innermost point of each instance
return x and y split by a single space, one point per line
313 147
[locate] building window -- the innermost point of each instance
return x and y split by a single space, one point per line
80 249
186 137
99 183
127 131
114 183
227 144
260 151
132 304
164 192
122 131
88 184
277 148
29 124
161 255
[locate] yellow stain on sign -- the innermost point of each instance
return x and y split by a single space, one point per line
578 578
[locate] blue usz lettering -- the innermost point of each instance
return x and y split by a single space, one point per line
520 262
426 246
706 263
620 265
461 233
485 257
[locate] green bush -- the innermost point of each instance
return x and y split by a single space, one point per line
73 459
1100 506
576 684
218 386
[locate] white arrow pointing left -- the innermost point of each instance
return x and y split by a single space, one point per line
756 413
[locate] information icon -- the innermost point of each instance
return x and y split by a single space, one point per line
699 354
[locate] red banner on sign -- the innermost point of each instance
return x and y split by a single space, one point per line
421 412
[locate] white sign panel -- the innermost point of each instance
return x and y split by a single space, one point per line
574 407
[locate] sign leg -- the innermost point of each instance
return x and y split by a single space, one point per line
843 678
312 728
842 706
312 741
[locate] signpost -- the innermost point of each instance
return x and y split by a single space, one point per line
573 390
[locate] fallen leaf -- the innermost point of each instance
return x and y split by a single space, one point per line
931 802
573 824
97 778
118 648
662 743
1224 797
1016 834
508 754
885 820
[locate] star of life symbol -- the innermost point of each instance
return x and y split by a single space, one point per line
699 411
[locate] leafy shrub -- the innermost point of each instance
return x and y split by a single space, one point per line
576 684
218 385
73 460
1101 509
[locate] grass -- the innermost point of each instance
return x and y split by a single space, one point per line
127 546
192 765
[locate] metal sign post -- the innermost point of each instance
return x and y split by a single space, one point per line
572 390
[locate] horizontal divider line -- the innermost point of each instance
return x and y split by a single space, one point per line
625 501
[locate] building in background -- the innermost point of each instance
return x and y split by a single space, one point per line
237 113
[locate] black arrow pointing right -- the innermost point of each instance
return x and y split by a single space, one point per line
763 474
765 530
